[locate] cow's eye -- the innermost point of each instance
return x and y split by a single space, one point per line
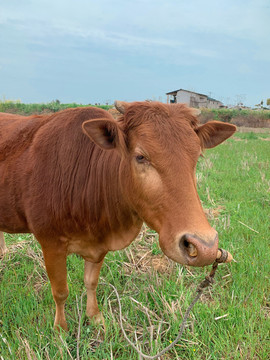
140 159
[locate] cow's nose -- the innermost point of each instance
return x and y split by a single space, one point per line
197 251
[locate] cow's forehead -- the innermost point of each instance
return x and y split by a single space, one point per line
160 125
158 113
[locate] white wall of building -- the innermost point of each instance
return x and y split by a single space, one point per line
196 100
183 97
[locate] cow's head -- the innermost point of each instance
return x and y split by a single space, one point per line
160 146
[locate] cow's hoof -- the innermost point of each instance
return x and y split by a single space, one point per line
3 251
60 327
60 330
98 320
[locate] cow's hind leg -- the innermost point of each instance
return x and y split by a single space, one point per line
91 275
3 248
55 260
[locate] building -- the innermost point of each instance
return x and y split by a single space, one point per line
193 99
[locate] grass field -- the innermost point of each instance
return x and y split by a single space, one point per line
247 117
232 320
17 107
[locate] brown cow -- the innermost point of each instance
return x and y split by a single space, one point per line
83 183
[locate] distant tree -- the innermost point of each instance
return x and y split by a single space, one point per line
268 102
260 105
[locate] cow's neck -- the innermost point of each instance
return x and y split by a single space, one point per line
106 204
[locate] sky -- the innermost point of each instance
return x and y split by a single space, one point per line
98 51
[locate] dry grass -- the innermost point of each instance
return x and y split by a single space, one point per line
251 121
246 129
241 118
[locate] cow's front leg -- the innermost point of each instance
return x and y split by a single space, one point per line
3 248
55 260
91 275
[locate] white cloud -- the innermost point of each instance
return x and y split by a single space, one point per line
117 38
170 20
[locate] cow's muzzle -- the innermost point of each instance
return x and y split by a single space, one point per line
197 251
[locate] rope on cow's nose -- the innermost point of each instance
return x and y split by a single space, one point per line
208 280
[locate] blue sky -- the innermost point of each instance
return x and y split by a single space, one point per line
97 51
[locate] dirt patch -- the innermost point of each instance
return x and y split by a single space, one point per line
162 264
141 259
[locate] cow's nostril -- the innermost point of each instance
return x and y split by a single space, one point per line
188 246
185 242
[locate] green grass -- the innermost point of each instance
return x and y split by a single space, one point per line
17 107
228 114
253 135
234 185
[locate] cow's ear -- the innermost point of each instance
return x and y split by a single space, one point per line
214 133
103 132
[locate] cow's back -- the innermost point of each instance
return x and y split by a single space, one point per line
16 136
17 131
